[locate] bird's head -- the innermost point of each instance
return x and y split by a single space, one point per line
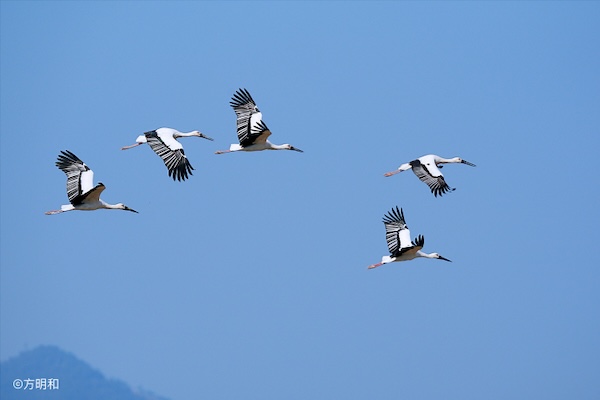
290 147
436 255
202 135
122 206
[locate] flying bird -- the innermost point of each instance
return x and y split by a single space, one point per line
398 240
427 169
164 143
251 130
81 191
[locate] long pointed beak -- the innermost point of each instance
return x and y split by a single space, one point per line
445 259
130 209
392 172
468 163
206 137
296 149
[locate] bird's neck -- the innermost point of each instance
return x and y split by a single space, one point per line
426 255
446 160
185 134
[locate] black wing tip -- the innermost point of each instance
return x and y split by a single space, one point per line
441 191
240 97
69 155
67 158
419 241
181 171
394 215
260 127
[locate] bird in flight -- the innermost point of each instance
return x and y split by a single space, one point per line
252 132
399 243
427 169
82 193
163 141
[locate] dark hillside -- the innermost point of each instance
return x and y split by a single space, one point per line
48 372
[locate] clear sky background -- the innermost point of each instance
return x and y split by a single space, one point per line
249 280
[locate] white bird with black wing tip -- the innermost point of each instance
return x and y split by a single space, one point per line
399 243
427 169
251 130
164 143
81 191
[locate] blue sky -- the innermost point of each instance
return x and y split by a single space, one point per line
249 280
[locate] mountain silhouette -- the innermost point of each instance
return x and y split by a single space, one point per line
49 373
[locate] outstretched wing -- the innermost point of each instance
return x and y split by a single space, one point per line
80 178
259 132
397 234
91 196
418 243
173 156
243 104
433 179
249 119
